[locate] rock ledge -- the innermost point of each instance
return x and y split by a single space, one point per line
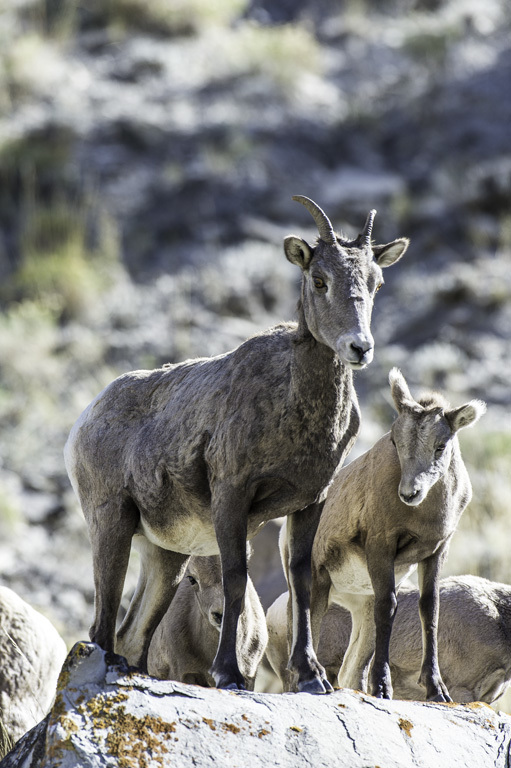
107 715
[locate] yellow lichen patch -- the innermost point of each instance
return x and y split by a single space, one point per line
209 722
68 728
295 728
406 726
101 708
231 727
138 742
263 732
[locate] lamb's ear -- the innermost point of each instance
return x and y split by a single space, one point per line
297 251
465 415
399 390
388 254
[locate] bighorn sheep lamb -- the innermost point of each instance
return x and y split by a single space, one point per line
474 628
400 504
392 509
185 642
195 457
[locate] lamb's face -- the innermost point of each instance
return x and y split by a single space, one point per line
205 577
424 434
424 444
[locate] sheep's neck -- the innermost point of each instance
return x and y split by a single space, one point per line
321 383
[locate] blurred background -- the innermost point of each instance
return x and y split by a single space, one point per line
148 155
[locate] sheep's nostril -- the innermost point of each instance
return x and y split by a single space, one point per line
410 496
360 351
357 350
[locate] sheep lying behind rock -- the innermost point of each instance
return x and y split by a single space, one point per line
32 653
184 644
473 640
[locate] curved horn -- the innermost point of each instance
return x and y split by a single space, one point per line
326 231
365 235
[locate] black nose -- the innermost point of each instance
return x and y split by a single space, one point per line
359 351
410 496
217 617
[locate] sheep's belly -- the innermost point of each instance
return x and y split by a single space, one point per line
353 578
190 535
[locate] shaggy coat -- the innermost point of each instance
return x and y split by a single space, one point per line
194 458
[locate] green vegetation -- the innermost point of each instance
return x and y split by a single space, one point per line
167 16
58 267
481 544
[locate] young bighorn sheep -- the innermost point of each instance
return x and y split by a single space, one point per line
185 642
474 628
392 509
194 458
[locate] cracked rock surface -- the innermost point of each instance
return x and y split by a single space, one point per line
105 714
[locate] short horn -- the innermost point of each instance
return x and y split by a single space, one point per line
365 235
326 231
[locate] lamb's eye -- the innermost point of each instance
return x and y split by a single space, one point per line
439 450
378 287
319 282
192 581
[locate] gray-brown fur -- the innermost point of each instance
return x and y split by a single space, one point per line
389 511
474 631
194 458
185 642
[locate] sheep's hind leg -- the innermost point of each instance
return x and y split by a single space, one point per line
160 573
230 508
301 529
357 659
111 528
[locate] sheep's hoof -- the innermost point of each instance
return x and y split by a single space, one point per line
233 687
442 698
226 685
315 686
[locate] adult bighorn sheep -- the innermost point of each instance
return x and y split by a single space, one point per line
474 651
193 458
393 508
185 642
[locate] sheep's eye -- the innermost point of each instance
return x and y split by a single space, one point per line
439 450
378 287
319 282
192 581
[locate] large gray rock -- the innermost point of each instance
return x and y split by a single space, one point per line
107 715
31 656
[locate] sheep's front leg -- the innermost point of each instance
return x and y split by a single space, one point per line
429 575
301 529
230 508
380 564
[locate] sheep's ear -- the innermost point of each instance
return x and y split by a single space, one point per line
399 390
466 415
297 251
388 254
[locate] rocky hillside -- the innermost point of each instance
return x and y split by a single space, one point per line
148 155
